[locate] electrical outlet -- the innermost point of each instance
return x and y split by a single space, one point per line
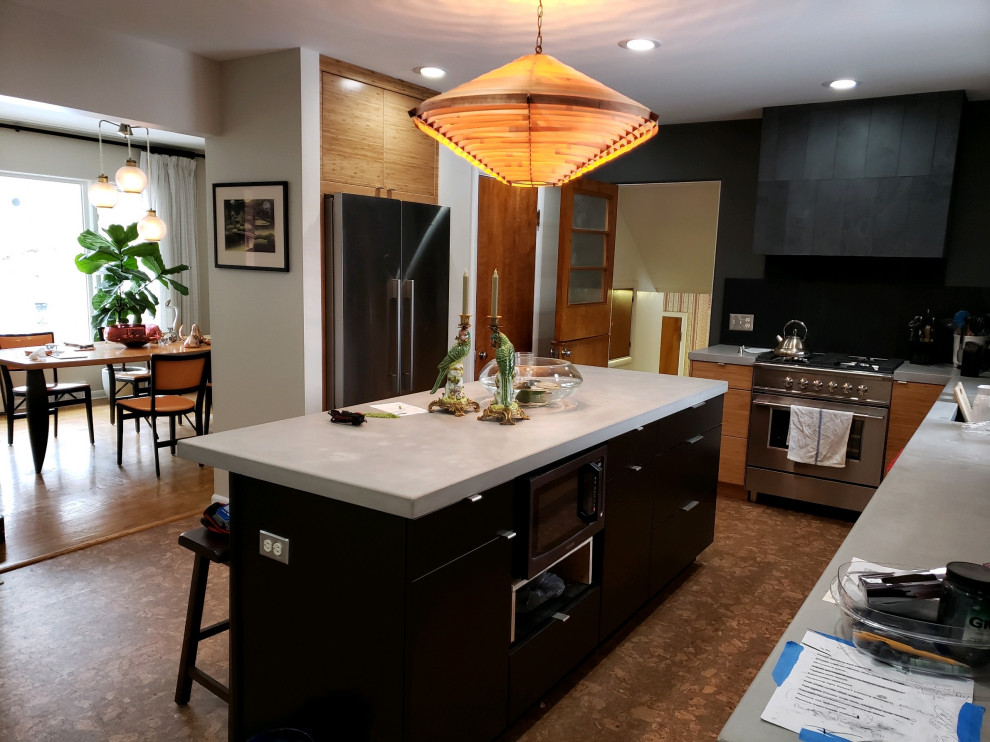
273 547
743 322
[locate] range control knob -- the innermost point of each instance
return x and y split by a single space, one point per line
788 382
832 386
803 383
846 388
816 385
862 389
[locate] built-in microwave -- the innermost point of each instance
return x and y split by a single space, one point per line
558 508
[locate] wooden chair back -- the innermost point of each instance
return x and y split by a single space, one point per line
180 373
26 340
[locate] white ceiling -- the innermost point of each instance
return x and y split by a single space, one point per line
720 59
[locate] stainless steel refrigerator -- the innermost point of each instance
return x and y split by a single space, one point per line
387 267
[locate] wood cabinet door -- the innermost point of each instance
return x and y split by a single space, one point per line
410 161
909 403
507 243
352 138
585 253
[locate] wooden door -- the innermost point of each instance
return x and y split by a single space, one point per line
670 345
507 243
585 251
591 351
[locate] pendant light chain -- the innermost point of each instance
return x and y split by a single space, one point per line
539 29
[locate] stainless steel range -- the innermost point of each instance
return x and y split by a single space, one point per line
855 384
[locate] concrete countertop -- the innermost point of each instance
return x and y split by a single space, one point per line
737 355
416 464
933 507
938 373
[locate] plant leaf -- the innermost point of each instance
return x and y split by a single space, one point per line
141 249
92 241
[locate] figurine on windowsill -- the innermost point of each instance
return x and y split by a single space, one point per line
451 375
504 407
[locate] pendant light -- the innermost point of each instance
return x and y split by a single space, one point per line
535 121
150 228
101 194
130 178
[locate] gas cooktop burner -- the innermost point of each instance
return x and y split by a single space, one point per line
839 361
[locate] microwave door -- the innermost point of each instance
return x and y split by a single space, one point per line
589 504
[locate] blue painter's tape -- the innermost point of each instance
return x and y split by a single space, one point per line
836 638
792 650
814 735
969 722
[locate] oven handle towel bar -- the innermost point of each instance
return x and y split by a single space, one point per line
757 401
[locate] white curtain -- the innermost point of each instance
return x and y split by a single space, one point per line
172 189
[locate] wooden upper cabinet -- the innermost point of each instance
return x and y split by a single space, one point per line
369 144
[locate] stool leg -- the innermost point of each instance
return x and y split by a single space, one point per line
190 636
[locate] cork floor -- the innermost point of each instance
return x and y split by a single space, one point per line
89 640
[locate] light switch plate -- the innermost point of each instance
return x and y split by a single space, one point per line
743 322
273 547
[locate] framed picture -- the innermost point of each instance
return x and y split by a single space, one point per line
251 227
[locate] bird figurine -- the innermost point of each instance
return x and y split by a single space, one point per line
458 351
505 359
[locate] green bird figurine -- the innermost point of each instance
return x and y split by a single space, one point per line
458 351
505 359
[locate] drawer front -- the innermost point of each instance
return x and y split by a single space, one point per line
687 473
632 449
735 413
739 377
441 537
686 424
678 539
548 655
732 461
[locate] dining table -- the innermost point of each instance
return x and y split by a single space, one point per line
102 353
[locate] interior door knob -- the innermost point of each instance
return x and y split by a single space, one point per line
565 353
483 355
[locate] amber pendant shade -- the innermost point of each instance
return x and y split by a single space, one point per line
535 122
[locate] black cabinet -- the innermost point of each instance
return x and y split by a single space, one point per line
864 177
457 648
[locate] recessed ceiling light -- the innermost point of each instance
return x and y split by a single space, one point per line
432 72
843 84
639 45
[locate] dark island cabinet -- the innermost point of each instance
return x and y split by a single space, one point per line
660 511
383 628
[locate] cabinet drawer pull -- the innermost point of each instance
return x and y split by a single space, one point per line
699 404
507 535
690 506
695 439
473 498
719 363
639 429
634 467
561 617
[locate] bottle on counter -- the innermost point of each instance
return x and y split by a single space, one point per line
965 605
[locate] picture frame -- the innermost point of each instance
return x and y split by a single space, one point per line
251 229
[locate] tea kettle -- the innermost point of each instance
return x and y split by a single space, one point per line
792 346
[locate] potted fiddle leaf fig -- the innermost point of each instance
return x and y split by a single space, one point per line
123 289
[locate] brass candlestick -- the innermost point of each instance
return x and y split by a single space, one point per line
451 368
503 407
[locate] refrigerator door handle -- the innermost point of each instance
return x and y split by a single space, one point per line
409 321
395 333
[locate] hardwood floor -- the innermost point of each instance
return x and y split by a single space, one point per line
82 497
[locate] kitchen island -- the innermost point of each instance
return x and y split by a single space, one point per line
396 615
932 507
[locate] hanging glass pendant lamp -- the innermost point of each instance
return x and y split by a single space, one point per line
101 194
151 228
535 121
130 178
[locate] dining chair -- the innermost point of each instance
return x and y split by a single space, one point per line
60 394
137 376
172 377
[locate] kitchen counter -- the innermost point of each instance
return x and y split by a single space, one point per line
733 354
414 465
933 507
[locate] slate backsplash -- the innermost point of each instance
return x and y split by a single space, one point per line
848 312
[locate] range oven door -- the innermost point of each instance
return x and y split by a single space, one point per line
769 422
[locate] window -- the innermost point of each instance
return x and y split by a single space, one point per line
40 287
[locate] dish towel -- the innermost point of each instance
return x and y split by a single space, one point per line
817 436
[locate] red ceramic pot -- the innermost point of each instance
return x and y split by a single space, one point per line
125 333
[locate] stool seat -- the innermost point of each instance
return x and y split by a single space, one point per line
208 547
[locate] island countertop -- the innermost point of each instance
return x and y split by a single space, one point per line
416 464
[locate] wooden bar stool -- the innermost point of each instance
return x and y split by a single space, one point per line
208 547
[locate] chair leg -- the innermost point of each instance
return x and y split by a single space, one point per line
89 416
120 439
154 431
190 635
55 415
10 427
171 432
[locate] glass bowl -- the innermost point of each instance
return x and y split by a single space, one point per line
910 643
539 381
